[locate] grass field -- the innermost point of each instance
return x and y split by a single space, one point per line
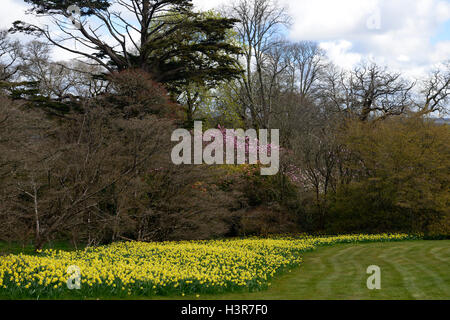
409 270
16 248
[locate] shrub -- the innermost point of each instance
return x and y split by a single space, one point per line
133 94
399 177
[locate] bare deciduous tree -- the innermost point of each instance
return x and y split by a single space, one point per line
308 62
260 23
436 91
59 178
369 91
10 56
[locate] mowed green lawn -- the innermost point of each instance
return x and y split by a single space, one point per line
409 270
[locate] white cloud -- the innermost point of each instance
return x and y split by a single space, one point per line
441 52
209 4
11 11
402 41
340 53
328 19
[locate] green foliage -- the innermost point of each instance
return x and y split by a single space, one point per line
400 177
197 51
258 189
20 90
87 7
29 91
367 207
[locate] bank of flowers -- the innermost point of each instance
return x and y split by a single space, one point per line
167 268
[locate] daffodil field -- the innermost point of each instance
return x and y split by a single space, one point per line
167 268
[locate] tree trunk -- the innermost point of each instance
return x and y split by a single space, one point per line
38 239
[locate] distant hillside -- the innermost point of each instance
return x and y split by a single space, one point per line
442 120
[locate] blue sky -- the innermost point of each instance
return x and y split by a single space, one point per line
409 35
443 33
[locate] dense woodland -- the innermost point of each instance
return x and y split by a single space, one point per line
85 144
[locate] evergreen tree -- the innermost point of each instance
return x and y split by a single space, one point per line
165 38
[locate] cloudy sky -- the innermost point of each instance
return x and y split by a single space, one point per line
408 35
